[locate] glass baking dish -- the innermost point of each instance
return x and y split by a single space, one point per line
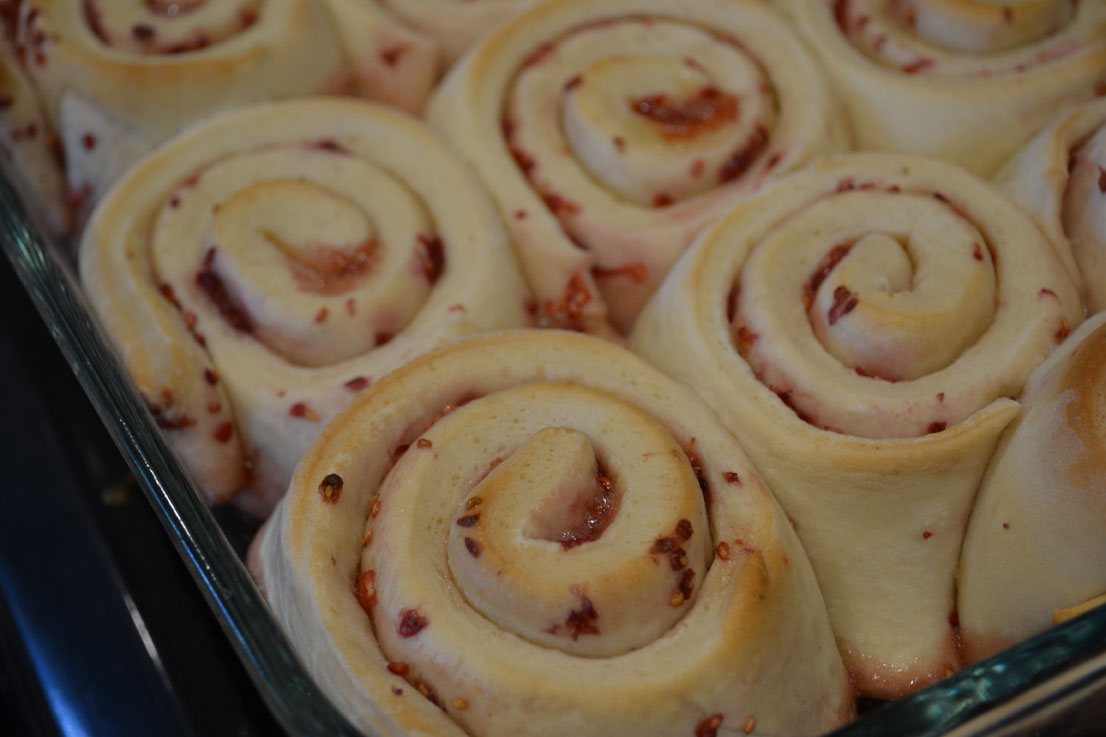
1053 684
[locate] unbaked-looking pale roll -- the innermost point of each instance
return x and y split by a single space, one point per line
261 270
118 77
611 132
538 533
861 327
1036 545
969 81
1060 177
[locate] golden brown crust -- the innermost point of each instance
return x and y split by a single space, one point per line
1034 545
1063 615
1084 387
744 647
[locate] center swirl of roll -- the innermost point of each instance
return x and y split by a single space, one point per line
351 252
878 309
898 297
656 112
558 527
168 26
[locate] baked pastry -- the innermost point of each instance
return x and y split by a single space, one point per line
453 26
1035 551
28 145
861 327
389 62
261 270
964 80
1059 178
118 78
610 132
537 533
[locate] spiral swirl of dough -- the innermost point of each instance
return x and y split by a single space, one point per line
860 326
611 132
260 271
538 533
969 81
1060 178
119 77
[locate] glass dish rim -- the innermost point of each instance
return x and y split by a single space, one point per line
978 701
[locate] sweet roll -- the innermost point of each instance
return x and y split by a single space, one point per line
1060 177
969 81
611 132
537 533
1035 552
862 327
260 271
118 77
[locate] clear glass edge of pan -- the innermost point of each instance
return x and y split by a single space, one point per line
283 682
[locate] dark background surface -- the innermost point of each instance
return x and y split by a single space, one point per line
102 630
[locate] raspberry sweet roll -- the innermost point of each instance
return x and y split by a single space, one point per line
261 270
537 533
453 25
611 132
861 328
965 80
1060 177
1035 551
119 77
28 144
389 61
